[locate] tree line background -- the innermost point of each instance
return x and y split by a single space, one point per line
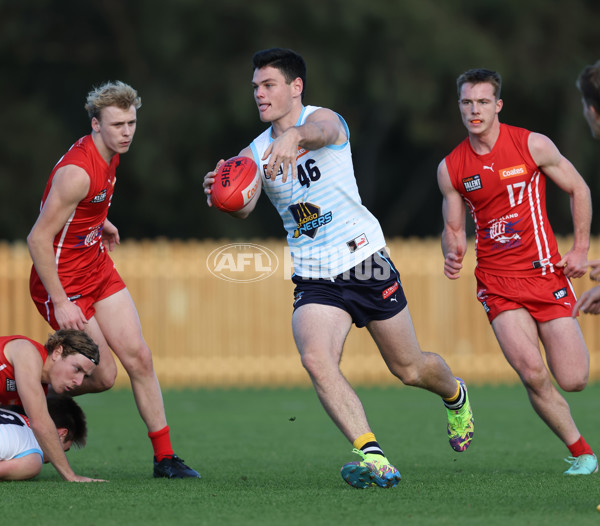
388 67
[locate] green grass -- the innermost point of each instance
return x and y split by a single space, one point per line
272 457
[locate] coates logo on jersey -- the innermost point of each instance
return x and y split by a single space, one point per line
472 183
309 219
513 171
301 152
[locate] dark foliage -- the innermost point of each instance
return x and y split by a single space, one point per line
388 67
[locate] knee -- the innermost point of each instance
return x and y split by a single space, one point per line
408 375
104 378
573 385
138 360
534 378
314 362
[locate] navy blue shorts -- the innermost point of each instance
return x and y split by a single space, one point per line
368 292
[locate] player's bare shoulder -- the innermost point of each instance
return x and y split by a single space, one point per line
331 122
542 149
72 181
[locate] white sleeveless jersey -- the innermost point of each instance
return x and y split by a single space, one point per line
16 437
328 229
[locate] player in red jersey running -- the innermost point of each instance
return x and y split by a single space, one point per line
74 283
588 83
500 172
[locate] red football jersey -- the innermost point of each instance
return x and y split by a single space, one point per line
78 244
506 193
8 386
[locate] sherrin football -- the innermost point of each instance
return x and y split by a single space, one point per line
236 183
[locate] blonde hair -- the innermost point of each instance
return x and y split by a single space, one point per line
117 94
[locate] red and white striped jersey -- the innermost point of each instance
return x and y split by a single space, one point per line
505 192
78 243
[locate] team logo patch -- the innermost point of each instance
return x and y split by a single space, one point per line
309 219
390 290
513 171
482 297
504 233
472 183
94 235
298 296
560 294
100 197
357 242
541 263
279 171
11 385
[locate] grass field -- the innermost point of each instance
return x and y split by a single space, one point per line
272 457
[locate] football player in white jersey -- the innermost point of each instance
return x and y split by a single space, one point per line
342 273
21 456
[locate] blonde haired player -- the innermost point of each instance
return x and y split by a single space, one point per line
74 283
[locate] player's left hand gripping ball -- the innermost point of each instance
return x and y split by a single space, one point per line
236 184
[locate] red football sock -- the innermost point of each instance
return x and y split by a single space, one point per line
161 442
580 447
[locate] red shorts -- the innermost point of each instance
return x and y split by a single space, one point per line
544 297
84 289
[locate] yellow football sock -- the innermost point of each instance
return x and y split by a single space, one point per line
364 439
456 395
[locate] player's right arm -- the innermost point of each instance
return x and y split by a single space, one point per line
209 179
69 186
560 170
454 237
27 364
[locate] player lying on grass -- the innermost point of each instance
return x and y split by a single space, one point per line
21 456
27 368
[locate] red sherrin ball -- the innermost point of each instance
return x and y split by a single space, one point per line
236 182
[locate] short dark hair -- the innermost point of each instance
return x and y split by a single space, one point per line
290 63
479 75
588 84
74 341
65 412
